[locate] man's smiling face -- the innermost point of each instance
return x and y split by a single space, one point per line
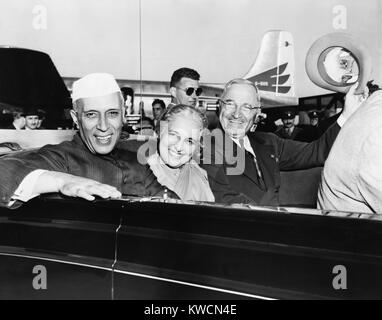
236 115
100 121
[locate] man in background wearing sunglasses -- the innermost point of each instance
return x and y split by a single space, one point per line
184 87
260 156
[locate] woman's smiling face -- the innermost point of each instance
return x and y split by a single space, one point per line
179 139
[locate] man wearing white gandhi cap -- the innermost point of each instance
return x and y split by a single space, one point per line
91 164
98 111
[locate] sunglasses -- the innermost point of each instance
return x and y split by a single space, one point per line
189 91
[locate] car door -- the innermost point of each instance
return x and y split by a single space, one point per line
55 248
211 251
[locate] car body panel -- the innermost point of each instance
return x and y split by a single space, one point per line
142 248
64 280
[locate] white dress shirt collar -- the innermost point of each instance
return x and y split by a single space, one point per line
247 144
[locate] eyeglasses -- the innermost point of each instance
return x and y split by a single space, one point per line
189 91
232 106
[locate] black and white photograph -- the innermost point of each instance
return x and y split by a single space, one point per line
194 156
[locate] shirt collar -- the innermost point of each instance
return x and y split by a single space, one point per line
237 141
247 144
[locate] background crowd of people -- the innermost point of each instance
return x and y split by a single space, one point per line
294 122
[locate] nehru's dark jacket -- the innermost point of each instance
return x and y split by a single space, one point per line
120 168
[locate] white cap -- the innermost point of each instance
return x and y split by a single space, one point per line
94 85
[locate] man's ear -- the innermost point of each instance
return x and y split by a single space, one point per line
173 92
73 114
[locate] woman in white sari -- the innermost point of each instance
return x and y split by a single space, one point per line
179 132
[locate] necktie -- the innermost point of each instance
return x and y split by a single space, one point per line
259 175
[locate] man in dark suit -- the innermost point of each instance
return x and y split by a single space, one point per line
244 166
93 164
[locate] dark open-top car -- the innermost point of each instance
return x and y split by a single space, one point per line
137 248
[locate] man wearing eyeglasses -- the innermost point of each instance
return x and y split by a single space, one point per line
184 87
261 155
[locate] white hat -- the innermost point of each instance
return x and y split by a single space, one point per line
94 85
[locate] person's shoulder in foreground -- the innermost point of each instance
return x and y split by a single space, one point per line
352 176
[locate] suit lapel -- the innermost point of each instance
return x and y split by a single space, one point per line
265 158
232 157
250 169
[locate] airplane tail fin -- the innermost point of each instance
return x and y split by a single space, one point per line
274 68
